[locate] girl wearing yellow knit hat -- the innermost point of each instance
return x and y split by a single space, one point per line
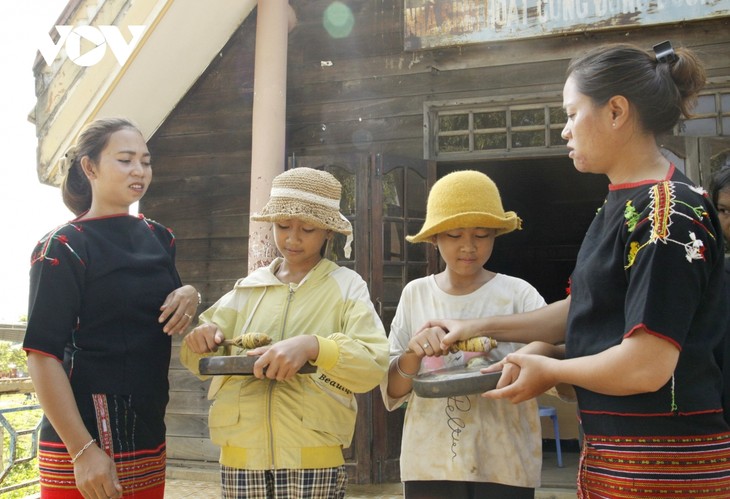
461 446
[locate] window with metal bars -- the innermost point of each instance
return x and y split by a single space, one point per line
489 131
483 131
710 118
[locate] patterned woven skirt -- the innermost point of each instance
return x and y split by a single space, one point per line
134 435
652 467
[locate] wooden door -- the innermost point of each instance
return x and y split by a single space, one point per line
399 191
384 197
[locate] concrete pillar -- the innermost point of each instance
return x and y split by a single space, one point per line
268 152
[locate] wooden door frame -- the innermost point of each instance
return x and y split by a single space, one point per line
378 167
388 470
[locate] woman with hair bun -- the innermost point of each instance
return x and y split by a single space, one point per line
105 298
646 309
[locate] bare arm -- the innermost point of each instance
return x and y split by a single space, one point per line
642 363
546 324
423 343
409 364
94 471
205 338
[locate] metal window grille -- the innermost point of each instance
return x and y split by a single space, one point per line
710 118
506 130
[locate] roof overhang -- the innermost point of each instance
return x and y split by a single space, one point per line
180 40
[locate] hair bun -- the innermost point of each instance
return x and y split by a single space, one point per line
71 154
69 157
690 77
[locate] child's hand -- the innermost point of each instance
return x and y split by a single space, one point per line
456 330
452 331
204 339
427 342
282 360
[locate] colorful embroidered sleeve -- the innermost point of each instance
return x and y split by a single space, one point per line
671 251
56 286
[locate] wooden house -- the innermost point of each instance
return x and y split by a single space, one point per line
388 95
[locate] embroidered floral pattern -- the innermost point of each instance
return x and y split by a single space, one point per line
631 216
150 223
47 242
662 211
695 248
633 250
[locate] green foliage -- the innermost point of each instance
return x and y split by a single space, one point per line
20 473
21 420
12 360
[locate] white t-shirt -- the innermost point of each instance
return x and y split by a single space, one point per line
465 438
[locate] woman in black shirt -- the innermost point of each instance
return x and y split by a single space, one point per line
105 298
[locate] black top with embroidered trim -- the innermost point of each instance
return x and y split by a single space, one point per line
724 352
95 295
652 258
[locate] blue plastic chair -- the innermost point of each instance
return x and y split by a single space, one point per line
552 413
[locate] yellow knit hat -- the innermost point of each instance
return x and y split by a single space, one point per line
465 199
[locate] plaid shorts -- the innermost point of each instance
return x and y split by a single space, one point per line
319 483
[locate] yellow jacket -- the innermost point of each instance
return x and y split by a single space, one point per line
307 421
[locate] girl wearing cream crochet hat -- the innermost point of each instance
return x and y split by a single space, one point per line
482 448
282 433
309 195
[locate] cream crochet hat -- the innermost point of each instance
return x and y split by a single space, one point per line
465 199
309 195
